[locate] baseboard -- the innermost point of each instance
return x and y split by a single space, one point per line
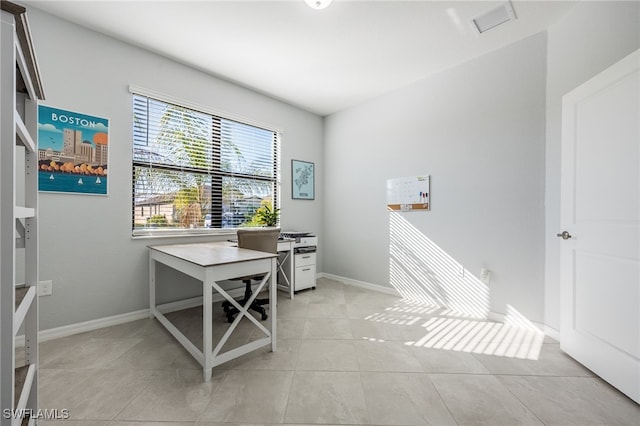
552 332
91 325
361 284
497 317
82 327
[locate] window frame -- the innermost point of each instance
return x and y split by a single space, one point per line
152 232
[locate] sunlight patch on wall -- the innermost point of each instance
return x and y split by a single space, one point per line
452 304
421 271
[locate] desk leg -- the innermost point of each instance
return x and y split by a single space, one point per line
273 301
287 272
292 288
207 326
152 286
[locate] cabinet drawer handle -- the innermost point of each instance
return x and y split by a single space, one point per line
308 269
306 257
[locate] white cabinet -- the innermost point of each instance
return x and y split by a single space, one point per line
305 271
298 266
21 89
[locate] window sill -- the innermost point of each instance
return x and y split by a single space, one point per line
172 233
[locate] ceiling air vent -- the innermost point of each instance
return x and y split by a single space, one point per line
498 16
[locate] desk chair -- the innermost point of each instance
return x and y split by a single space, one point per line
260 239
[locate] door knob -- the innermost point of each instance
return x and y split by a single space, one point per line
565 235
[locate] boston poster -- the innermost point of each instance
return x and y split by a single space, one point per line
73 152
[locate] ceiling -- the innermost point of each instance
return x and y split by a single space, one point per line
320 60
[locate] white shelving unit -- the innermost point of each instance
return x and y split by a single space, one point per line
20 90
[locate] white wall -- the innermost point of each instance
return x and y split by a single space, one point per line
97 269
478 130
590 38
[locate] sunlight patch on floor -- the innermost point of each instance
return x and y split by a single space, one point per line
481 337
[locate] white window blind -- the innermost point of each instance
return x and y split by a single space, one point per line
194 171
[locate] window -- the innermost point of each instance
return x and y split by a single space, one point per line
194 171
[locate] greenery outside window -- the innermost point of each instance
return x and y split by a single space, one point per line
194 172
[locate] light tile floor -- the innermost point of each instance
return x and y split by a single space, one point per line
345 356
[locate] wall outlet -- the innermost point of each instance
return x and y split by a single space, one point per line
485 275
45 288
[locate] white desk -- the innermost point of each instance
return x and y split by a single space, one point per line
210 263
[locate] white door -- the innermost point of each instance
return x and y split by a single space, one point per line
600 321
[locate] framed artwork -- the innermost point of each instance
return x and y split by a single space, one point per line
73 152
302 180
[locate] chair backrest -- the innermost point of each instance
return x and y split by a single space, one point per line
261 239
